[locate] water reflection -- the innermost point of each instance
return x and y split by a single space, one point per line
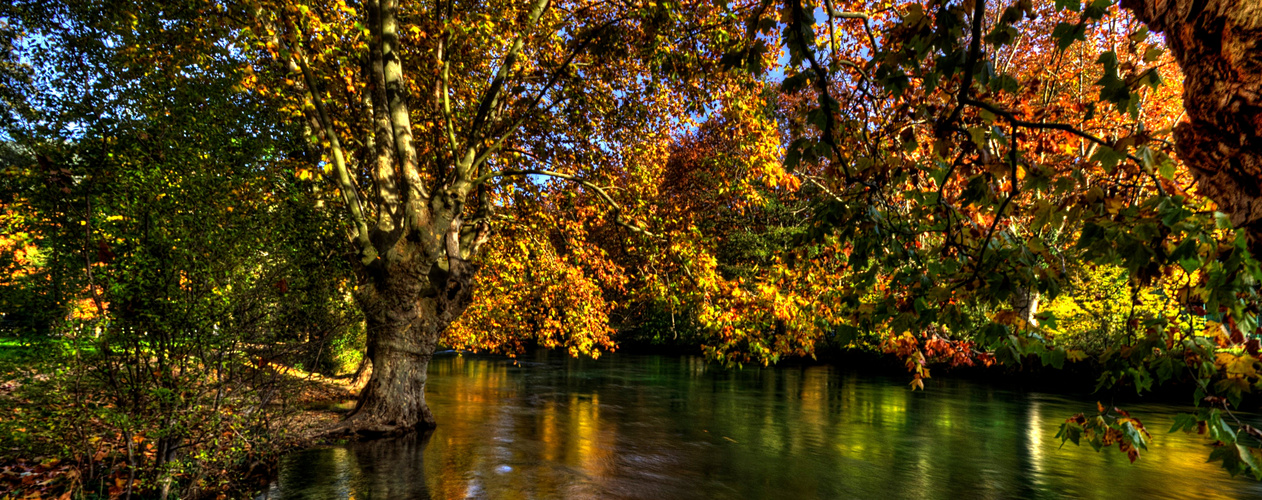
673 427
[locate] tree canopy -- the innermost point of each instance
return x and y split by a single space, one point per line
958 183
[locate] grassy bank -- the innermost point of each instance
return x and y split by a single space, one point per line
64 435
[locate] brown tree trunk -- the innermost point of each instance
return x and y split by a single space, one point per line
1218 43
406 307
394 398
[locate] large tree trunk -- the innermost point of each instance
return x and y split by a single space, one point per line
400 351
406 307
1218 43
413 259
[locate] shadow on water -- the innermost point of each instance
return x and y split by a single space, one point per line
383 469
676 428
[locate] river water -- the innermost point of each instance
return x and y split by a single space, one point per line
672 427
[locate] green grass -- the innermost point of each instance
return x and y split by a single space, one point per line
12 350
20 352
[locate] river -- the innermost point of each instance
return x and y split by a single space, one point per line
675 427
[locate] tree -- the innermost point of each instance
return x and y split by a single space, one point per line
957 198
960 163
439 105
174 240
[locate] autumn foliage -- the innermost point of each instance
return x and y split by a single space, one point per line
989 184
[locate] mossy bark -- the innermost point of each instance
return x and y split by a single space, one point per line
1218 44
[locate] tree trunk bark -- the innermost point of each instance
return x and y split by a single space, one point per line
1026 304
393 401
407 306
1218 44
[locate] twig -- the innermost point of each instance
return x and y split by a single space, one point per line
617 209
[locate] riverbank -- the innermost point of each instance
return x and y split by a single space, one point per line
59 439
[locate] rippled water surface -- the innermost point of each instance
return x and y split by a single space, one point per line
663 427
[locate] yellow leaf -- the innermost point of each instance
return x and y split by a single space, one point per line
1214 329
1237 366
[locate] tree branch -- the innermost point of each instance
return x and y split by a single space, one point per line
617 209
384 172
396 95
350 192
822 85
867 21
490 99
970 64
445 84
534 102
1013 191
1008 115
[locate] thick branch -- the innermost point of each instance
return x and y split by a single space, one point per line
396 95
1216 43
384 172
350 192
552 81
490 100
970 64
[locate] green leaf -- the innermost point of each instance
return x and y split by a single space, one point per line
1112 88
1165 368
1222 221
1133 436
1150 78
1066 34
1005 83
1058 358
1166 168
1235 458
793 156
795 83
1186 249
978 134
1139 35
987 116
1219 429
1069 431
1072 5
1108 158
1047 319
1247 457
1003 34
1097 9
1184 422
846 334
1095 442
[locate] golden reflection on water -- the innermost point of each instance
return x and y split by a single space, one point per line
661 427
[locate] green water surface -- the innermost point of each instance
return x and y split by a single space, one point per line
672 427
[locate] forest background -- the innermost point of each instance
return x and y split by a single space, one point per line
207 205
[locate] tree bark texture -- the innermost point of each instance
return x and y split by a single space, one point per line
406 307
1026 304
1218 44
